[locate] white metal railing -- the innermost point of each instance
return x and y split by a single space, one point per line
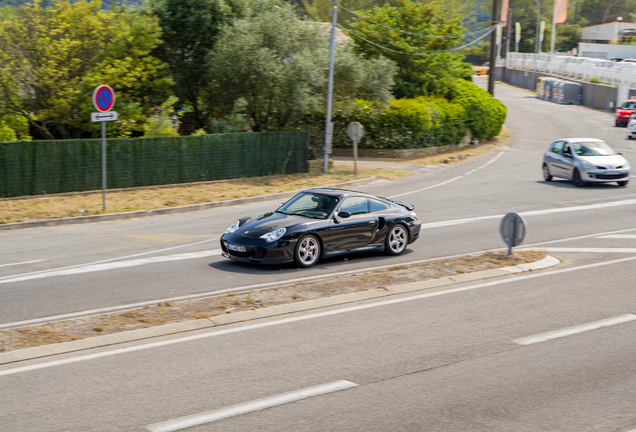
583 68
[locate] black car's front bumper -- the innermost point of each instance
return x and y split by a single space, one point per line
259 252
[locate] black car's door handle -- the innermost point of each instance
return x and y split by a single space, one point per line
371 223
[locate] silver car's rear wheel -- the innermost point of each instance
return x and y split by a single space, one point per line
396 240
546 173
307 251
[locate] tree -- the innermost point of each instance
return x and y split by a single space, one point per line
604 11
51 60
277 66
190 30
416 36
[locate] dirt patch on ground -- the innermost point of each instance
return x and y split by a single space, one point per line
167 313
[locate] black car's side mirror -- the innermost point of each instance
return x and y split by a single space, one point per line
344 214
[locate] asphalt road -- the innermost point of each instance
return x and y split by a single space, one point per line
440 360
57 270
450 359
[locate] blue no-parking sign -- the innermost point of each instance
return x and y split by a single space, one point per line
103 98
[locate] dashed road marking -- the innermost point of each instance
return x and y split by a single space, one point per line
569 331
618 236
114 265
20 263
582 249
294 319
451 180
248 407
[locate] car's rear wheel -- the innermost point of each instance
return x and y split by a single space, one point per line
546 173
307 251
396 240
576 179
623 183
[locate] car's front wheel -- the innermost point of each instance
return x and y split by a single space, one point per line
576 179
546 173
396 240
307 251
623 183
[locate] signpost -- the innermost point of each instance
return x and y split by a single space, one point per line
513 230
355 132
104 101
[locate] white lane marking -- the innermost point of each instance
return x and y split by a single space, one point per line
579 237
569 331
109 260
248 407
532 213
277 283
451 180
294 319
20 263
589 250
429 187
489 162
114 265
618 236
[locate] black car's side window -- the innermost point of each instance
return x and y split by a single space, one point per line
355 205
375 205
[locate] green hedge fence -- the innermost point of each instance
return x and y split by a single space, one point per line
44 167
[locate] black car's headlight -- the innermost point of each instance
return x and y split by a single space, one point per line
272 236
233 227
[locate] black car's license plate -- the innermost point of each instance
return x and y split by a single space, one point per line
236 248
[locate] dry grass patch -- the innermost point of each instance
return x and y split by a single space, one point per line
173 312
54 207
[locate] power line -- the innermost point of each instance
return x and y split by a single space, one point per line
428 52
407 32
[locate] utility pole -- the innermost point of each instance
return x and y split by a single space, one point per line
328 123
507 45
492 71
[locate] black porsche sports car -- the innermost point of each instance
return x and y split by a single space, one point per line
320 223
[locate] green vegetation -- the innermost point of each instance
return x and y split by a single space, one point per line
425 66
52 58
423 121
275 66
182 67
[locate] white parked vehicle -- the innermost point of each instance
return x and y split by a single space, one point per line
631 127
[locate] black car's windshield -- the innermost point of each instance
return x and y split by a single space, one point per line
309 204
593 148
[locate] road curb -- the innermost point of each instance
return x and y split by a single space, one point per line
267 312
169 210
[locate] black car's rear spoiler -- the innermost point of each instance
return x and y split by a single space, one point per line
409 207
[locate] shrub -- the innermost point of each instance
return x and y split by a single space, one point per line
486 114
425 121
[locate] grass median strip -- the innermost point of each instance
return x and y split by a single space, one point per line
174 312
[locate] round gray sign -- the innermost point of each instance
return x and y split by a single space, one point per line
513 229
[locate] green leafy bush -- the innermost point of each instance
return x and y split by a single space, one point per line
425 121
485 114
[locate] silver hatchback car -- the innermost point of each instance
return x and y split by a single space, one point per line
585 160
